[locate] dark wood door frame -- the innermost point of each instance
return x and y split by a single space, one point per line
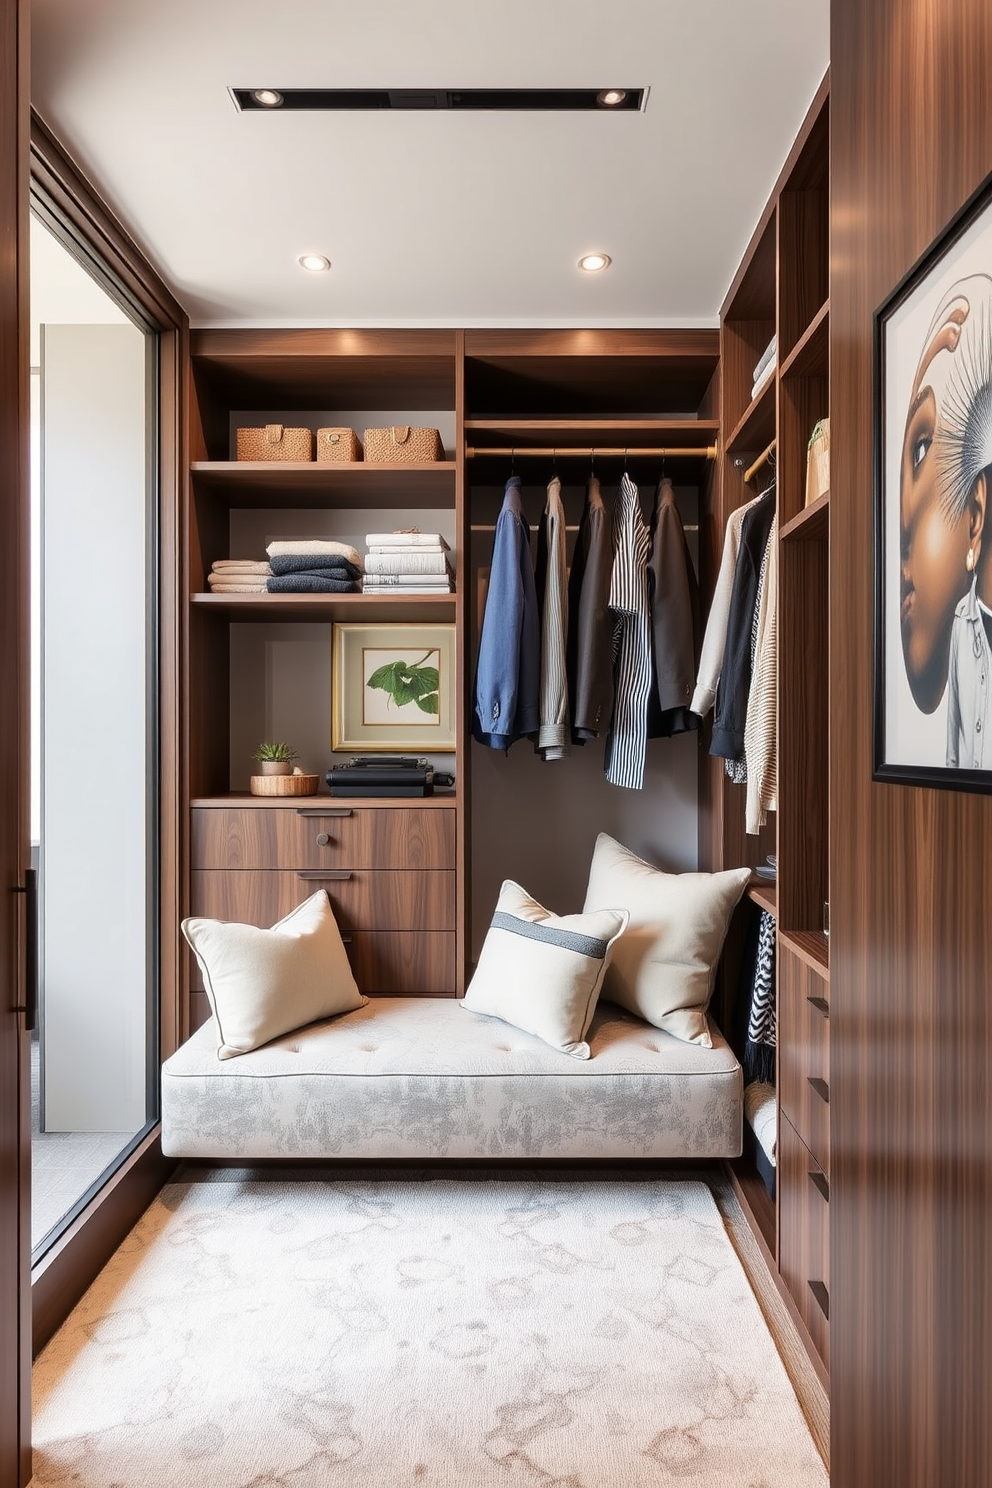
15 1126
75 210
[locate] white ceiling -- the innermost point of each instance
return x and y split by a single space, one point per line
433 218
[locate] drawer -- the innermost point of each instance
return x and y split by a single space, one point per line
386 963
804 1234
804 1054
324 836
362 898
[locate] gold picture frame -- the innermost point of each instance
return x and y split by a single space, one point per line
393 688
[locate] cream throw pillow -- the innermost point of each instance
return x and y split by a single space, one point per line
664 967
263 983
542 972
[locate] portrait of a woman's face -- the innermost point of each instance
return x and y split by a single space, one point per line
933 707
933 536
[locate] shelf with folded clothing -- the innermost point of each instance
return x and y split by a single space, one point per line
757 424
389 608
308 484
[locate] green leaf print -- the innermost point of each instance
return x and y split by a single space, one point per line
410 682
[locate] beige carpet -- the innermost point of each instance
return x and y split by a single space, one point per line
441 1334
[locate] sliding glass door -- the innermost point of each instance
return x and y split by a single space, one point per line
94 785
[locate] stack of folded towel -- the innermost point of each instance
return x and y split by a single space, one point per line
765 366
238 576
411 562
313 566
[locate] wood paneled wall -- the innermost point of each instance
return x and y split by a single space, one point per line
911 906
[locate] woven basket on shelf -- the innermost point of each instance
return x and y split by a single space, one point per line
818 462
338 445
401 443
283 785
275 442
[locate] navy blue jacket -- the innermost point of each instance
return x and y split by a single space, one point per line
508 676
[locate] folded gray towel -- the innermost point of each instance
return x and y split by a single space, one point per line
333 565
310 583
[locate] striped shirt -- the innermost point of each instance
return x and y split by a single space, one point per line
553 740
627 741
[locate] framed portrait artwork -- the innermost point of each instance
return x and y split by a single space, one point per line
393 688
933 519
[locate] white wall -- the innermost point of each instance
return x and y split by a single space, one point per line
94 769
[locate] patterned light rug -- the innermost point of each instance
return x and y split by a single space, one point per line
437 1334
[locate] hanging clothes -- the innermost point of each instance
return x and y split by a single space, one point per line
627 740
552 598
508 674
735 673
759 1051
589 649
673 597
760 730
715 638
737 768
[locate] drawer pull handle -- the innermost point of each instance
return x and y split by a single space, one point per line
821 1087
821 1004
324 811
324 875
323 839
347 939
822 1297
820 1183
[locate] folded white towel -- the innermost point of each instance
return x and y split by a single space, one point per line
385 541
240 565
761 1116
313 546
250 586
766 358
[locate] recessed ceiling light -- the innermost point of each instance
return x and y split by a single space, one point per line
591 263
314 263
610 97
267 97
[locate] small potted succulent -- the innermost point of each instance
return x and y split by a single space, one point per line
275 759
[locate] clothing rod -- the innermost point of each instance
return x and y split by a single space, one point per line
569 527
706 451
762 459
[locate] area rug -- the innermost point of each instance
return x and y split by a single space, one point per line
438 1334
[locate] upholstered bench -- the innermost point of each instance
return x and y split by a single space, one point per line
425 1078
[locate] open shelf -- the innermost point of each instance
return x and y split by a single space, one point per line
390 608
756 427
810 355
764 894
302 483
811 946
593 431
812 524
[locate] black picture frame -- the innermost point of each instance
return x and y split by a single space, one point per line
932 402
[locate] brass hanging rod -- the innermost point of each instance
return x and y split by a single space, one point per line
569 527
762 459
627 452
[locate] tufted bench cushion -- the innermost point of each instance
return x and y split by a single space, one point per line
424 1078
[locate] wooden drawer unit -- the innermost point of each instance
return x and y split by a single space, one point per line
323 836
804 1234
389 872
804 1053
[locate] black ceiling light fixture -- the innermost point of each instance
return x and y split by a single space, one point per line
499 100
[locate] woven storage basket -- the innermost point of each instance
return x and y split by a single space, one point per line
283 785
818 462
334 445
275 442
401 443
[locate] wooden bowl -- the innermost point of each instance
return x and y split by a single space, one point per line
284 785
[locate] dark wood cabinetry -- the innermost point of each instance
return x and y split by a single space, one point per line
782 290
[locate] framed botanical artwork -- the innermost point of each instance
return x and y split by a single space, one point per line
393 688
933 522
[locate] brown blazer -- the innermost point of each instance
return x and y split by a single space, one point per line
673 594
589 649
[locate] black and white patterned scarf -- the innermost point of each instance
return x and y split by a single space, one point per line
759 1053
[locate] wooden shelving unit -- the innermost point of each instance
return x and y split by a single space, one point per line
782 289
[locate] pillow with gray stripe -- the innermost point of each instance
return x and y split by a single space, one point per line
542 972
